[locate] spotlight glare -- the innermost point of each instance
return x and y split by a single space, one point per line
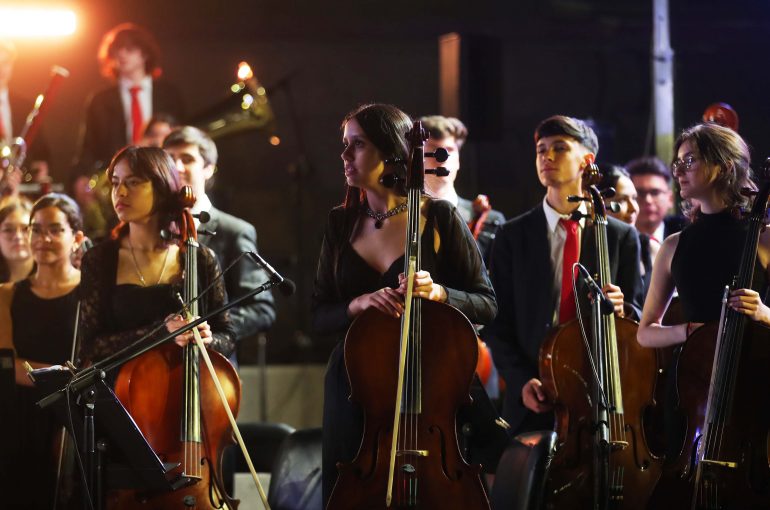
274 141
244 71
36 22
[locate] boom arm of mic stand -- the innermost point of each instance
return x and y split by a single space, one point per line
89 375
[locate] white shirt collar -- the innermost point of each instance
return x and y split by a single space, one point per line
202 203
552 216
660 232
126 84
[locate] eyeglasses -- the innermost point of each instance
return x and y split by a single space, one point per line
653 193
12 230
53 231
682 165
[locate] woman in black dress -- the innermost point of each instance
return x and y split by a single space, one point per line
711 168
38 321
361 262
130 282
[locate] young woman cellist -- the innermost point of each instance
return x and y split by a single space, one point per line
707 413
362 258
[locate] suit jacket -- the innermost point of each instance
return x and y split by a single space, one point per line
522 277
104 131
487 235
20 108
233 237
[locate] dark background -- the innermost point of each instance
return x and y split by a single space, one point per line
583 58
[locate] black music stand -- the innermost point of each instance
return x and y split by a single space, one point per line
106 430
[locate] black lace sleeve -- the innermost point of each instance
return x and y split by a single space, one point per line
98 338
97 280
221 325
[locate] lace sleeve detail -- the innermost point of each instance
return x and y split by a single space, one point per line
96 283
222 328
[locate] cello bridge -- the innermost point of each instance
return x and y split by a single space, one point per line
415 453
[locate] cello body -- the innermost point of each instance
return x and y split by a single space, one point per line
567 376
150 387
441 476
746 484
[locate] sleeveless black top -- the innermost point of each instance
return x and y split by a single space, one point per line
706 260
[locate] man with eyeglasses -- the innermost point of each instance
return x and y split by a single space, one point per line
652 180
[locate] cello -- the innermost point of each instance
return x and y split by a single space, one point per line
724 462
602 460
410 376
178 411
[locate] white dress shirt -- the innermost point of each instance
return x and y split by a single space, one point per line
5 116
145 103
557 236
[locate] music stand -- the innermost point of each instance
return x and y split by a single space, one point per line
95 415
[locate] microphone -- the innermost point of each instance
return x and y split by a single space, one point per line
286 286
605 304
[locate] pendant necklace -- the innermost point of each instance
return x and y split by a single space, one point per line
379 218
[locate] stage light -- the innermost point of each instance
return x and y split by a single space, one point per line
244 71
36 22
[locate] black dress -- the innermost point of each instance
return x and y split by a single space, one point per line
114 316
343 275
43 331
706 259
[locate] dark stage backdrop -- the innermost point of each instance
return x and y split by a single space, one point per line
320 59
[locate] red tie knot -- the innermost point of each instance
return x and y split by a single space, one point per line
571 226
135 90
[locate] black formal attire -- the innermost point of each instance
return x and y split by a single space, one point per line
646 259
43 331
672 224
234 237
707 257
343 275
20 108
486 236
522 277
114 316
104 131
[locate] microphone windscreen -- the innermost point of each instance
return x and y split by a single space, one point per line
287 287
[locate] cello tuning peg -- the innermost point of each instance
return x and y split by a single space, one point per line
390 180
167 235
577 216
202 216
608 192
438 171
614 207
576 198
439 154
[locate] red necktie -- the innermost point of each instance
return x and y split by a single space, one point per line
567 309
137 123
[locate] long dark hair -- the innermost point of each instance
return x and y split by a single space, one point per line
155 165
726 149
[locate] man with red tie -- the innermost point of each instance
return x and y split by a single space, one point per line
531 268
116 116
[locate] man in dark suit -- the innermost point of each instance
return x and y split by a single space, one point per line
450 133
13 115
195 155
116 116
652 180
528 264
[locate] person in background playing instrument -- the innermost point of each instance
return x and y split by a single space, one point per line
712 168
16 260
38 322
530 257
361 262
195 155
450 133
13 113
131 281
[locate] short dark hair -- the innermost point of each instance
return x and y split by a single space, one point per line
129 35
189 135
62 202
568 126
440 127
155 165
649 165
159 118
611 174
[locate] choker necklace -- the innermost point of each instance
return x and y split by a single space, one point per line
380 217
139 272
